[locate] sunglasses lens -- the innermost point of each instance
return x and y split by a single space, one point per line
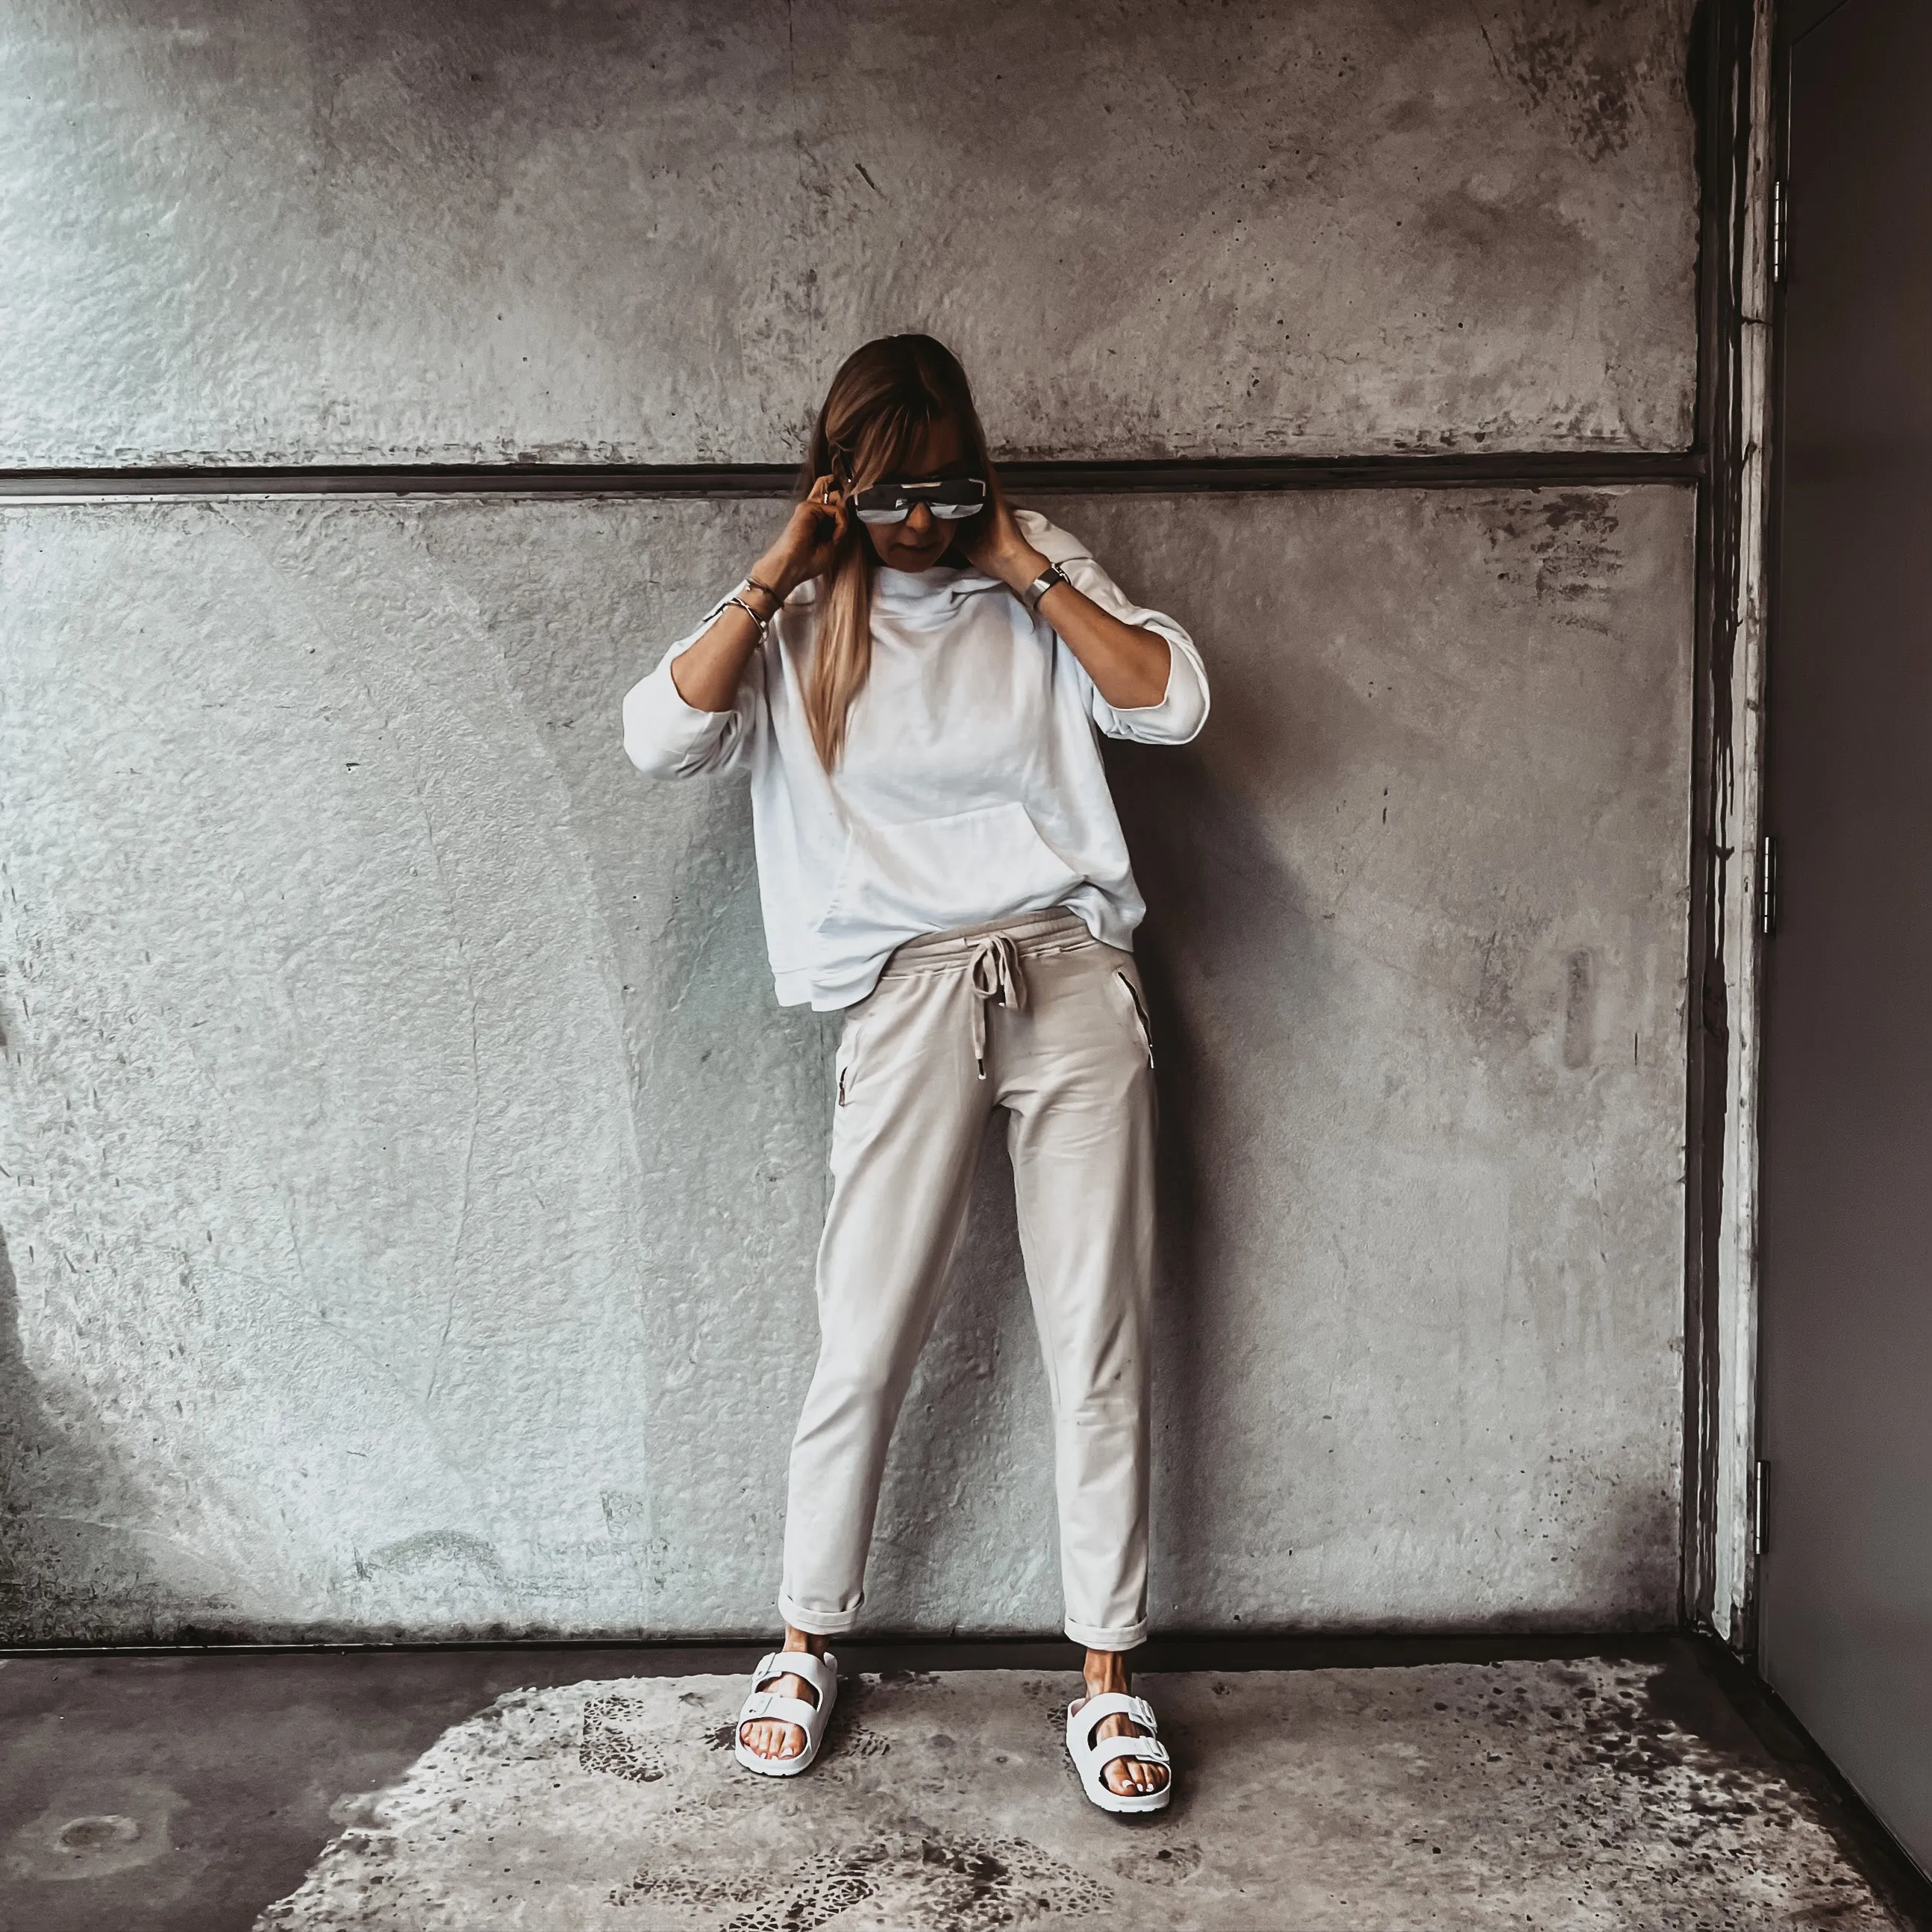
881 503
893 502
965 497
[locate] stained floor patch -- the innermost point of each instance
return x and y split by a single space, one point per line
1562 1794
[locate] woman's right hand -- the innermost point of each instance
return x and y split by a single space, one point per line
808 542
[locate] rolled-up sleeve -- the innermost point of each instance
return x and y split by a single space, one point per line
1183 708
667 738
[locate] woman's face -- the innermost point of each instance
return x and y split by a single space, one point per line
923 539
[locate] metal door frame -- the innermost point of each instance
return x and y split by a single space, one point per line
1737 92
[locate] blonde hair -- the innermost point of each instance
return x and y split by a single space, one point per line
886 395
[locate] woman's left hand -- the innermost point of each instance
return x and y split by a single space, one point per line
1000 547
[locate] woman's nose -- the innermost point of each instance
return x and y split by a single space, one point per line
918 522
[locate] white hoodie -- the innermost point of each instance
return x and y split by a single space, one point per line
970 787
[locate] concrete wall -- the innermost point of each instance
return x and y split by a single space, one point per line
408 1185
412 1187
376 230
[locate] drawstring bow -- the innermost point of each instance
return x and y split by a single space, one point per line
994 974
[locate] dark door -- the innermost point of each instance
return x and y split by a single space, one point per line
1846 1623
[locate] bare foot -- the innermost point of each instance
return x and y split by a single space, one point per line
772 1737
1106 1670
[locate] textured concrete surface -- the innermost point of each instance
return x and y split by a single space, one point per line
1554 1795
337 229
187 1793
1415 949
409 1187
232 1771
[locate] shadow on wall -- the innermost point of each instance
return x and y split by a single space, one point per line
1224 920
67 1569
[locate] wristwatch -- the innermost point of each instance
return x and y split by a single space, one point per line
1041 585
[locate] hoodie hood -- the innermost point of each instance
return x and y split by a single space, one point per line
1048 538
943 588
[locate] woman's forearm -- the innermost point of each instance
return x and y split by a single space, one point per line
1128 664
706 675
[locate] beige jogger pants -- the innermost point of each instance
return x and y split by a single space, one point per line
1035 1015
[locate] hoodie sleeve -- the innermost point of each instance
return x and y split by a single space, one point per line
666 738
1183 708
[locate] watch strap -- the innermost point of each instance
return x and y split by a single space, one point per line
1041 585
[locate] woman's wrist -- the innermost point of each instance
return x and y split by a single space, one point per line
773 576
1017 569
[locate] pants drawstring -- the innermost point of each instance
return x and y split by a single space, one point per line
994 972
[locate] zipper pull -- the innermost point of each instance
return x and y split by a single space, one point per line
1140 1014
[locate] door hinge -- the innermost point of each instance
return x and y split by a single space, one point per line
1760 1485
1780 220
1767 886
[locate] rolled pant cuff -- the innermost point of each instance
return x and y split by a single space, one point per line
818 1623
1091 1637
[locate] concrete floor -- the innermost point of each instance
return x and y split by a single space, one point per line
1370 1785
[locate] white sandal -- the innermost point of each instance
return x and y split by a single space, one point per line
1084 1717
822 1674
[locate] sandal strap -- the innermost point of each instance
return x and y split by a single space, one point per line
1110 1704
762 1704
820 1672
1146 1750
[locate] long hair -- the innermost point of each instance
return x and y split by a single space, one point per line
885 397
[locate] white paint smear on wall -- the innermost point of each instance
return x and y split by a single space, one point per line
320 1090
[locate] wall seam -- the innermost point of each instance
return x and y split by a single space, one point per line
1492 470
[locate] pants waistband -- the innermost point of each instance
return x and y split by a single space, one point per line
1030 931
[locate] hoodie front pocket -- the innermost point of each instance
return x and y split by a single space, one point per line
930 875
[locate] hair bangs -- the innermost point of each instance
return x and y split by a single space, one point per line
886 441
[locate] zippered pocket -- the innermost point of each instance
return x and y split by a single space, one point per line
848 1054
1140 1013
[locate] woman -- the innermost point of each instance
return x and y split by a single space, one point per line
913 676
